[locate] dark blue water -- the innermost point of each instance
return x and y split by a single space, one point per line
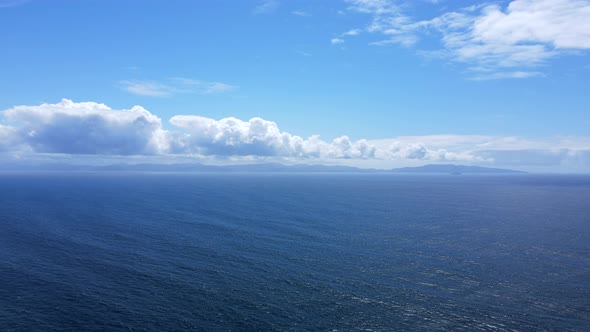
159 252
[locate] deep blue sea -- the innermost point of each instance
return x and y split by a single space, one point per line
293 252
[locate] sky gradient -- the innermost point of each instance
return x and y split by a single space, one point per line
369 83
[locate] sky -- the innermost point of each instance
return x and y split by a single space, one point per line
366 83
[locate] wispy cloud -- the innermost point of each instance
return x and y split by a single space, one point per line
504 41
403 40
387 19
375 7
12 3
266 6
353 32
146 88
336 41
187 85
176 85
300 13
506 74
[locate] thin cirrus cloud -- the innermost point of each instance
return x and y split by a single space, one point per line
493 41
174 86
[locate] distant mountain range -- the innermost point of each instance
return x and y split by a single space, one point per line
268 167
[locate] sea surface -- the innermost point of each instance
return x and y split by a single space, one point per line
294 252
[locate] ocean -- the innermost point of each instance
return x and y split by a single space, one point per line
294 252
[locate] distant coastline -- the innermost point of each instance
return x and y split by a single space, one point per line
255 168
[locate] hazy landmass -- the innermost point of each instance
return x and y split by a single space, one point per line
266 167
449 168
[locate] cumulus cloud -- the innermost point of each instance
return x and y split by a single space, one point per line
87 128
420 151
343 147
259 137
9 138
231 136
494 41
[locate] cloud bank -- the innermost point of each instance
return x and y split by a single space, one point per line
90 128
68 127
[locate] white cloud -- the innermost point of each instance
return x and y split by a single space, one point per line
176 85
343 147
336 41
259 137
231 136
87 128
9 138
504 41
562 24
526 34
418 150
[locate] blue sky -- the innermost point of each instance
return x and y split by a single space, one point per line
500 83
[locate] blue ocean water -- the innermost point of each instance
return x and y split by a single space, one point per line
234 252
